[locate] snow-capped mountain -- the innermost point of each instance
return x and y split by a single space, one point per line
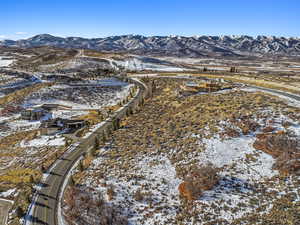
195 46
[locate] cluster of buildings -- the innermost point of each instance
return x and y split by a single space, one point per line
51 125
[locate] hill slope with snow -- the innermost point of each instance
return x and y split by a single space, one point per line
196 46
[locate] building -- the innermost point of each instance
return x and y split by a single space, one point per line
33 114
73 124
54 125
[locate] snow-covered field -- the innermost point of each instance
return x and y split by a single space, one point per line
44 140
81 97
8 193
145 178
21 142
139 64
4 62
157 182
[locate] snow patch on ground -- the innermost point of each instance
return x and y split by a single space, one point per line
233 152
157 180
5 62
138 64
44 141
7 193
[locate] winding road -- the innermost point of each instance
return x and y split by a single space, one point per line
5 206
290 95
43 209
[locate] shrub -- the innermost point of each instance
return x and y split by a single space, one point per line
248 126
199 179
268 129
86 207
138 195
110 192
230 132
283 147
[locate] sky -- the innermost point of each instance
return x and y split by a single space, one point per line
21 19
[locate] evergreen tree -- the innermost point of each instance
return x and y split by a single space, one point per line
31 179
71 181
43 169
19 212
96 144
28 199
80 166
103 138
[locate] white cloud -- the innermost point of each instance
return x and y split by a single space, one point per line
21 33
2 36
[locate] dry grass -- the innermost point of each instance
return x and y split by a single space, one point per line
170 126
284 148
83 207
197 180
269 82
93 53
19 95
283 212
13 139
20 175
93 117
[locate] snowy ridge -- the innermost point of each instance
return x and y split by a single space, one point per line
196 46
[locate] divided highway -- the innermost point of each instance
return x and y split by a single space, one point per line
44 207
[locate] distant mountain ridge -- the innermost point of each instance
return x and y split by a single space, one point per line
196 46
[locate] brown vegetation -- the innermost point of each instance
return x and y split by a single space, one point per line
283 147
248 126
170 126
199 179
19 95
84 207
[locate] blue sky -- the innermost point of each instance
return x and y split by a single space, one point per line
101 18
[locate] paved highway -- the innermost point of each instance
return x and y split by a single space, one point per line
290 95
45 203
4 209
44 210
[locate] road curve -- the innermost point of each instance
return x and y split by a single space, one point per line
43 209
46 200
285 94
5 206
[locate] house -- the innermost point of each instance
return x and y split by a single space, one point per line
74 124
33 114
57 124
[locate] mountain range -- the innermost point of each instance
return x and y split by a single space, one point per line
196 46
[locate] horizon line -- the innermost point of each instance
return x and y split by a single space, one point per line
171 35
